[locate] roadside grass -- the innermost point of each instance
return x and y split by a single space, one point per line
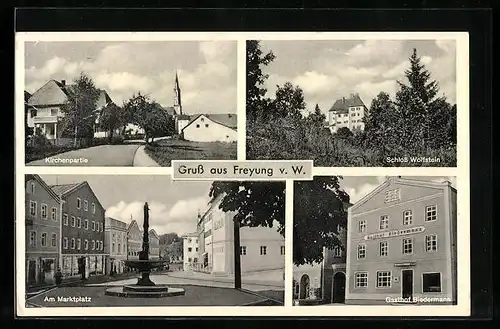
164 151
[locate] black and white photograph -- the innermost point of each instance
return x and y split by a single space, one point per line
146 240
374 240
129 103
353 103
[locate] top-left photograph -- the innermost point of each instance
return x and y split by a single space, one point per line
124 104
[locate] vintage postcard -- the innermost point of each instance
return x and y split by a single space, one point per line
189 174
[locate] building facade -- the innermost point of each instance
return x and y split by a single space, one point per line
190 251
134 240
211 128
154 244
43 231
347 113
115 246
82 230
261 248
402 244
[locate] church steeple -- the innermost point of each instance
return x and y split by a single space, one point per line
177 95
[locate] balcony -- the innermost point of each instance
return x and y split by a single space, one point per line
45 119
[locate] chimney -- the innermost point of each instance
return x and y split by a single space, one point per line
63 82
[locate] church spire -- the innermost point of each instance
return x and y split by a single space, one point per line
177 93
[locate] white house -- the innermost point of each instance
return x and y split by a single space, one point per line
190 250
347 113
211 128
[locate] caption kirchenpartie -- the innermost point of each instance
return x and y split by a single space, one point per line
242 170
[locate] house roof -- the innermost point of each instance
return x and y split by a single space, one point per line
64 189
342 105
190 235
56 93
183 117
44 185
229 120
27 96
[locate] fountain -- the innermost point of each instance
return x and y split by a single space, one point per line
144 286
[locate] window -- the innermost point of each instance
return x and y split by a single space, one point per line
383 248
361 279
93 225
44 239
431 243
243 250
384 279
190 259
33 208
361 251
196 249
73 221
85 205
86 244
430 213
43 211
53 214
282 250
65 219
431 282
337 251
190 249
189 240
93 208
79 222
197 126
93 244
97 226
206 125
384 222
65 243
86 224
73 243
263 250
392 195
407 246
78 203
32 238
53 241
119 248
407 217
362 226
78 244
32 188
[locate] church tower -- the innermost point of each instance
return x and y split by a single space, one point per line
177 96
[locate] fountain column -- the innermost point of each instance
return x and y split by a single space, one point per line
144 254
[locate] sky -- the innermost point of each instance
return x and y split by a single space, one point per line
359 186
332 69
207 70
173 205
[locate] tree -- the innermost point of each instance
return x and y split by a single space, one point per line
150 116
169 238
255 102
80 109
380 128
111 118
344 133
316 118
288 102
319 210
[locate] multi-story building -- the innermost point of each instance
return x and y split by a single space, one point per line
402 244
134 242
261 248
154 244
82 230
115 246
190 250
43 231
347 113
323 283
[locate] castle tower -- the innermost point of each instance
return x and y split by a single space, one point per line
177 95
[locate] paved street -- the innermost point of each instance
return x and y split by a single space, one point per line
104 155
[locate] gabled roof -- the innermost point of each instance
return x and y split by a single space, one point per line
27 96
183 117
153 232
190 235
342 105
29 177
132 224
229 120
66 189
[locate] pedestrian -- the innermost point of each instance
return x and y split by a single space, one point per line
58 276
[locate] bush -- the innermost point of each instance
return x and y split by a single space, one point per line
117 140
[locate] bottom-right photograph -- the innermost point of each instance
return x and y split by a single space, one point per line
368 240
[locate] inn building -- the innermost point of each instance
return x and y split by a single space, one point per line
43 231
82 230
261 248
402 244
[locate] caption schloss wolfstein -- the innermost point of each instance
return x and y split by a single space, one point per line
239 170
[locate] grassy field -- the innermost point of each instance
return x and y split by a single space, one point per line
164 151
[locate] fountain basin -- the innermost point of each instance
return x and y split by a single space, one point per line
157 291
145 265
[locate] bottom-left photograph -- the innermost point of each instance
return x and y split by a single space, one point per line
146 240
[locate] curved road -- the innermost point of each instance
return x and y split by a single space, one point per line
103 155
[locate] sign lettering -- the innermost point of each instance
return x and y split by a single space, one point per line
395 233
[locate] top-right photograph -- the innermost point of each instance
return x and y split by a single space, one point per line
353 103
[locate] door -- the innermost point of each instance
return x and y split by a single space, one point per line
407 284
339 287
304 289
32 272
48 268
